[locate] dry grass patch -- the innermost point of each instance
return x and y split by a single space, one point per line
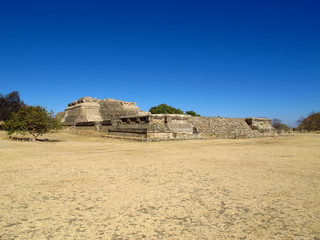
96 188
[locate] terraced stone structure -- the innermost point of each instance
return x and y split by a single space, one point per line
155 126
114 117
89 111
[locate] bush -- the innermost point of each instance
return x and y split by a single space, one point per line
285 127
192 113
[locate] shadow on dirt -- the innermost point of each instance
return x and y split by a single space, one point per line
27 139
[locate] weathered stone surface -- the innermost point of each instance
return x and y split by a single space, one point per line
263 125
229 127
112 109
221 127
125 118
156 125
83 110
87 109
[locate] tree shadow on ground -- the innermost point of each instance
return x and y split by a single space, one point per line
27 139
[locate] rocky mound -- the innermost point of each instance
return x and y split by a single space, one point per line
311 123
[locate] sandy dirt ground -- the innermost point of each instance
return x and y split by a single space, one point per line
97 188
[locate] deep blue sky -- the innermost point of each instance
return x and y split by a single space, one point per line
227 58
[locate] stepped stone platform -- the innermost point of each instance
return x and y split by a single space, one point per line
152 126
122 118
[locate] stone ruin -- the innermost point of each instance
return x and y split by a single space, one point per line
119 118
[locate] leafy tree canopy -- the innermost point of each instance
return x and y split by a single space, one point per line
165 109
192 113
35 120
9 104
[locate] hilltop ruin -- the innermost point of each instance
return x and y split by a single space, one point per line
117 117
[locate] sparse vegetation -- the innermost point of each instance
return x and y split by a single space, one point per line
285 127
276 123
279 126
300 120
311 123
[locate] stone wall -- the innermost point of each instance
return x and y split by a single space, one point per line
111 109
224 127
166 126
84 112
263 125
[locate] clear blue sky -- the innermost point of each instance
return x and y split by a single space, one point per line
229 58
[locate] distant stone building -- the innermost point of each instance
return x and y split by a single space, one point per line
116 117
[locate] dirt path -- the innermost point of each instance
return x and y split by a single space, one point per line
91 188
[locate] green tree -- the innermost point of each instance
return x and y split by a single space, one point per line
9 104
35 120
165 109
192 113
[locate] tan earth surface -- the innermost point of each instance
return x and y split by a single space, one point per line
97 188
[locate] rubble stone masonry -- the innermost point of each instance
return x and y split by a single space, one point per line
125 118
